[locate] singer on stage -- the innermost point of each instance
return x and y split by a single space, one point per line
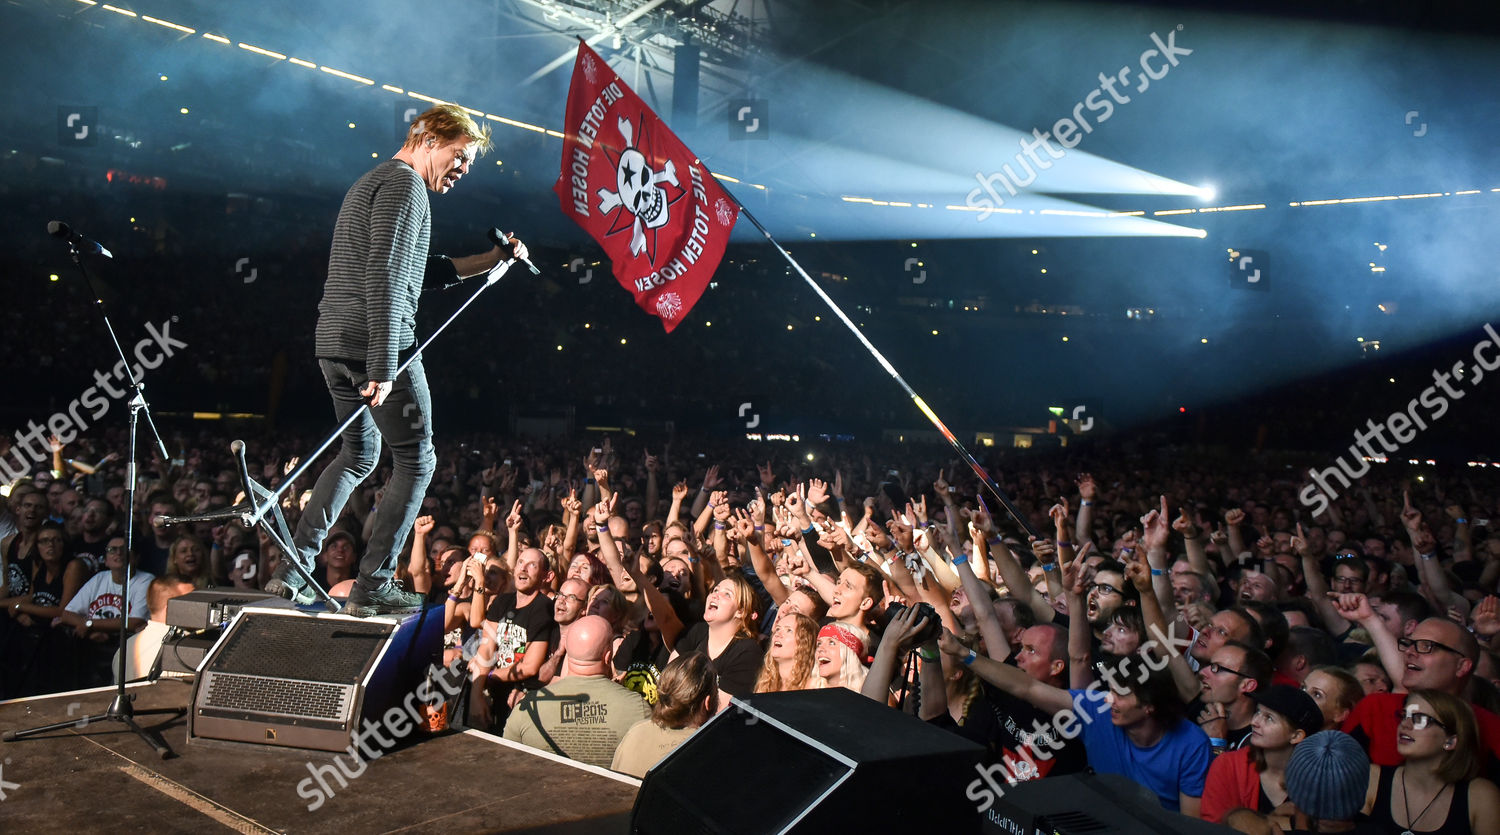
366 329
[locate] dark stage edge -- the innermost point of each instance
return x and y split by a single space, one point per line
105 778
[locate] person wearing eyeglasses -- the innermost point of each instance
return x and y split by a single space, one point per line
1439 655
1437 788
1230 681
94 613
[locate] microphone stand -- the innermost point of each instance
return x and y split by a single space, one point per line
121 708
262 506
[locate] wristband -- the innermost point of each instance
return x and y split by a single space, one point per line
588 481
454 599
760 527
839 499
960 559
602 528
1158 572
1062 544
927 654
1461 521
720 526
1218 743
1127 550
925 525
1433 555
1049 566
1086 503
808 531
969 659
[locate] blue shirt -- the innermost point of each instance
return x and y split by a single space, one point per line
1176 764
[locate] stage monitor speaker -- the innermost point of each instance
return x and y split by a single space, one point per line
1089 804
213 608
811 761
299 680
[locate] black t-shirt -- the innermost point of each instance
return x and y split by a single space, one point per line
640 663
92 553
517 627
1236 737
737 666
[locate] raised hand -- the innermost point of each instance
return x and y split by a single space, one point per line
651 463
1299 542
1183 524
1044 550
679 491
1234 518
1086 488
817 491
711 478
571 504
744 526
424 525
490 509
489 475
1410 516
767 475
720 503
901 531
1487 617
513 520
942 487
603 510
290 465
1354 607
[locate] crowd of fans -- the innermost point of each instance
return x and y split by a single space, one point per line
1246 661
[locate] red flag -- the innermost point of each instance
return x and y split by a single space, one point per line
630 183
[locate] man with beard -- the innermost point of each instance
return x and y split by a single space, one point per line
93 535
519 631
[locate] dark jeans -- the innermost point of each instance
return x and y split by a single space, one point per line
404 422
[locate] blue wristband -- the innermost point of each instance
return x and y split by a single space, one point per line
1218 743
1062 544
1049 566
1157 572
808 531
960 559
969 659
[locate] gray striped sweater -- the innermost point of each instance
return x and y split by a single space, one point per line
375 270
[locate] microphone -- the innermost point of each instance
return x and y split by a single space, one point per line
498 238
58 229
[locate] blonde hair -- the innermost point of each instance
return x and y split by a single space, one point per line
805 634
445 123
852 669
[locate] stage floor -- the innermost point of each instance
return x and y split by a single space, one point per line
104 777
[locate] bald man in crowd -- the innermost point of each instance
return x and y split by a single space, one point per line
583 714
1438 655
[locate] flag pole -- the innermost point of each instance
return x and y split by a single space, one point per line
984 476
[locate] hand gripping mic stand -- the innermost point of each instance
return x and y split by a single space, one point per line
120 709
262 505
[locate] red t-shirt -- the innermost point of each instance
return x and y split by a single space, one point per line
1373 722
1232 782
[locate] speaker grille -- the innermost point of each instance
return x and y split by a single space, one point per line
275 696
302 648
1072 823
